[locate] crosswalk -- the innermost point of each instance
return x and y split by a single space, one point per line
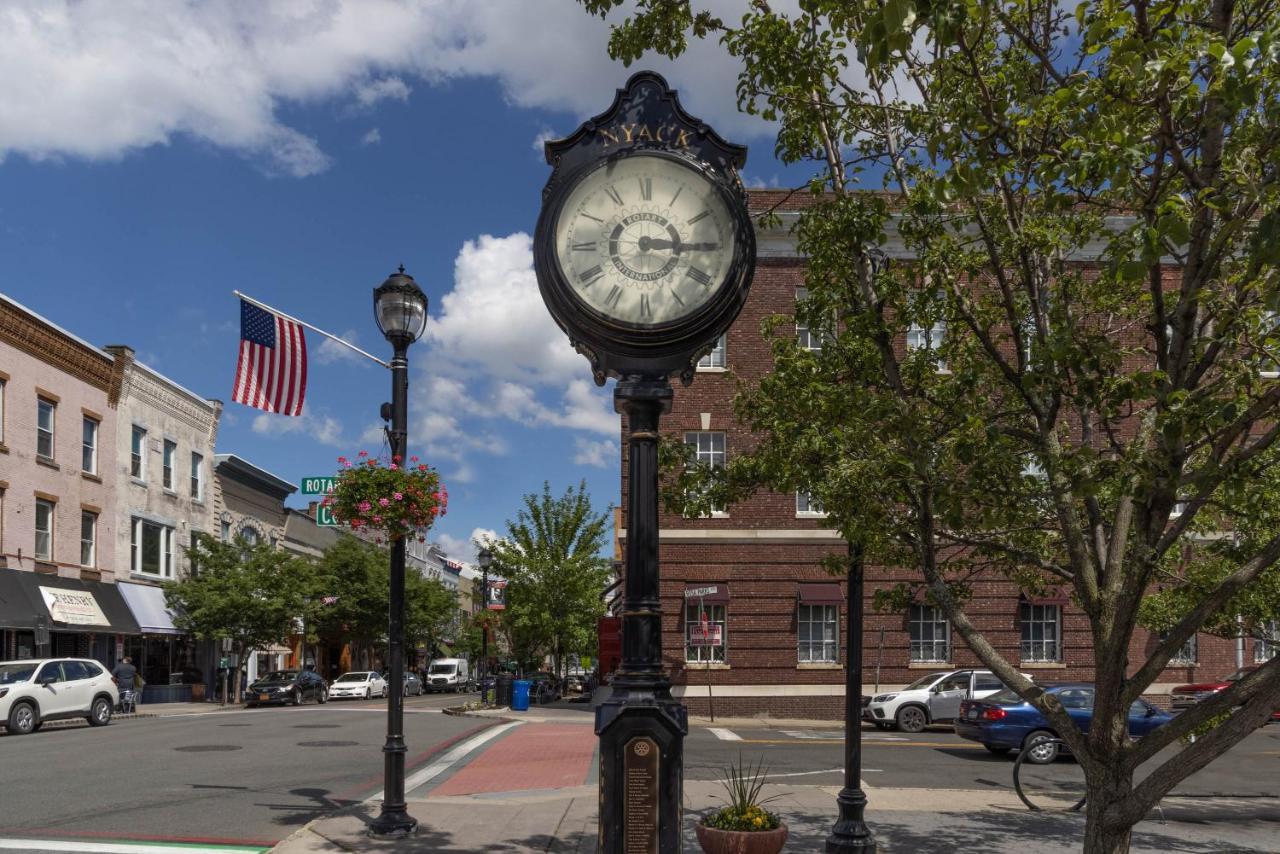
81 846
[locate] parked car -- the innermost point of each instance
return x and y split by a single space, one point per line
287 686
574 683
39 690
1004 721
449 674
1184 697
359 684
930 699
412 684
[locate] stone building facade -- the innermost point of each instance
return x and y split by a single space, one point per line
756 571
58 399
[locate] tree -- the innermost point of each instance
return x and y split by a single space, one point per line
431 612
1109 425
251 595
551 560
355 577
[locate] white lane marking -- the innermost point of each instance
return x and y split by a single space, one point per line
120 847
724 734
808 733
435 769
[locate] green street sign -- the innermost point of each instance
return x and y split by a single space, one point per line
317 485
324 517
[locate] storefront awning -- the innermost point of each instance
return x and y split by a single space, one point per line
148 607
16 610
819 594
717 594
71 605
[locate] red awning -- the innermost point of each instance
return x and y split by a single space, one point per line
820 594
1050 597
715 593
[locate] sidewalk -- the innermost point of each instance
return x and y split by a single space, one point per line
532 787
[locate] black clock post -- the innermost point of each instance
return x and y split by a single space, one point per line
643 287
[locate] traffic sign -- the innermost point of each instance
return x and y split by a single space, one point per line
318 485
324 517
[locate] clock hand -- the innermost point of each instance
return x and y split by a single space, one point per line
676 246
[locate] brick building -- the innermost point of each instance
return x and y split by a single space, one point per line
751 581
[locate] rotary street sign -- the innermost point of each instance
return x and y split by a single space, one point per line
318 485
324 517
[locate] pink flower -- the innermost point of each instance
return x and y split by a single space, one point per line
377 520
398 496
342 459
364 506
413 459
422 468
363 454
394 467
382 502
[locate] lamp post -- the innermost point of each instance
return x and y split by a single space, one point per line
401 309
850 834
485 557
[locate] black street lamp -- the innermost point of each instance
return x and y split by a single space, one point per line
401 309
850 834
485 558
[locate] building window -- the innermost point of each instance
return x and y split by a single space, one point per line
225 532
807 339
88 537
170 451
816 628
705 634
249 535
1266 647
138 454
2 389
151 549
709 451
89 449
44 529
919 338
197 476
1041 632
44 427
1188 654
930 634
807 505
714 360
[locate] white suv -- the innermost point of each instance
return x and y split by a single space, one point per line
930 699
45 689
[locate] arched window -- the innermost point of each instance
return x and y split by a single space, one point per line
249 535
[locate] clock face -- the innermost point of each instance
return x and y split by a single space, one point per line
644 240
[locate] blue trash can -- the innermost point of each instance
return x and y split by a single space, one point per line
520 695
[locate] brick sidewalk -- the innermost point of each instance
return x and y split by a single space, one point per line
533 756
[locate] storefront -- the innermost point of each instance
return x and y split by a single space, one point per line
163 653
47 615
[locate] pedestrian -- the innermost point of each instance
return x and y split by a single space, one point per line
124 674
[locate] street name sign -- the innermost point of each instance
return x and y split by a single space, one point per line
318 485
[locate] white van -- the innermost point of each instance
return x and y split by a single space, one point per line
448 674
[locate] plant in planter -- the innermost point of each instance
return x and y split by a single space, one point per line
395 500
743 825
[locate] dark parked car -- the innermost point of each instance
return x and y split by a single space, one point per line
287 686
412 684
545 687
1184 697
1004 721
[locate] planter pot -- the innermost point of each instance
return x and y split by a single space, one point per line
715 841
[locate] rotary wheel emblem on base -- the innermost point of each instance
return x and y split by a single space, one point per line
641 748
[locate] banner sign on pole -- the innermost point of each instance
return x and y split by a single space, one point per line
496 598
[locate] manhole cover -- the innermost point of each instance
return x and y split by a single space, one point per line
317 726
328 743
207 748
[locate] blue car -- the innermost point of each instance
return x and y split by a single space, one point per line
1005 722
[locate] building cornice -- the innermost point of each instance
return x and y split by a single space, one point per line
32 334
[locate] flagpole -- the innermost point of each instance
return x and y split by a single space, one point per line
328 335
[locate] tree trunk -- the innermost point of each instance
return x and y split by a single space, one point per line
1106 830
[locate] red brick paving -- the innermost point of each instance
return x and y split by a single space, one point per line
532 756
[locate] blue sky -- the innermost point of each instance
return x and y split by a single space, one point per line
155 156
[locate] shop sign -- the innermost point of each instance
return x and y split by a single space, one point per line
74 607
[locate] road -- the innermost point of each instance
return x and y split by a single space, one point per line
247 777
251 777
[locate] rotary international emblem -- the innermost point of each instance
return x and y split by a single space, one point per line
641 748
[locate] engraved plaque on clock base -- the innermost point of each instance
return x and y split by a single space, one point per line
641 760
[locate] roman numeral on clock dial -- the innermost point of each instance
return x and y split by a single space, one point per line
645 310
613 194
588 277
699 276
646 189
614 295
583 247
698 217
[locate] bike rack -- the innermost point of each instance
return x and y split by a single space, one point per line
1017 775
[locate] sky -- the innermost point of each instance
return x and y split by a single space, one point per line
155 156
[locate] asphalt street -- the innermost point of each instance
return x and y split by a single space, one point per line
237 776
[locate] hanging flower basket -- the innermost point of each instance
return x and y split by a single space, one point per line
394 499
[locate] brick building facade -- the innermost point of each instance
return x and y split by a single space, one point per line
753 575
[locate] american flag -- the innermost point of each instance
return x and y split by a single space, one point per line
272 372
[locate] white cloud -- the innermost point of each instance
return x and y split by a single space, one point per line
331 351
465 550
98 79
373 137
384 89
540 141
324 429
599 454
